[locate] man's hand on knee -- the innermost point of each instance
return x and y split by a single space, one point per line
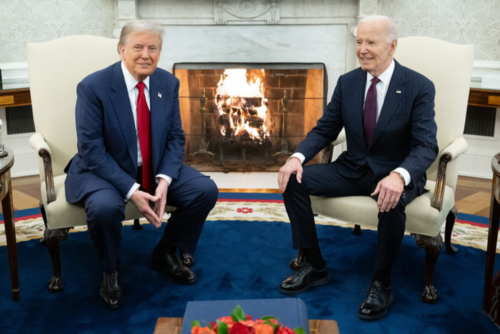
293 166
161 194
141 201
389 191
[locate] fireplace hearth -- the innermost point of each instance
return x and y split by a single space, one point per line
248 117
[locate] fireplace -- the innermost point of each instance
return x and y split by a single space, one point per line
248 117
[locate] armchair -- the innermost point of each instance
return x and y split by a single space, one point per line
449 67
55 69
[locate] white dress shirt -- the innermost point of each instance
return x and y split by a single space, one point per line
382 86
133 94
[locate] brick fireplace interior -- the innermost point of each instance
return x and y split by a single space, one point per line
248 117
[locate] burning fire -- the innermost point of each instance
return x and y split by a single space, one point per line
241 105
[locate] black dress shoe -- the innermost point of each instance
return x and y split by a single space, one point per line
170 264
111 293
303 279
376 302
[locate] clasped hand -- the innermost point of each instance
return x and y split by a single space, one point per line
389 191
141 200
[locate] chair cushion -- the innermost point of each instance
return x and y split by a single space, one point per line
61 214
421 218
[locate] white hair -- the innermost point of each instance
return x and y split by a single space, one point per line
392 31
133 27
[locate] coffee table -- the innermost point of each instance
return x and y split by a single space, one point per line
174 325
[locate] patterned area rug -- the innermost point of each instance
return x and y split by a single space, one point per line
469 230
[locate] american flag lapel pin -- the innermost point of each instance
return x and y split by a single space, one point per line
159 95
397 92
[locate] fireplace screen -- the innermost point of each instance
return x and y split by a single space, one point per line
247 117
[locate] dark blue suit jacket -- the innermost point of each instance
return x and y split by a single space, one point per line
107 141
405 134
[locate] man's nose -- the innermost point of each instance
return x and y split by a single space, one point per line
145 53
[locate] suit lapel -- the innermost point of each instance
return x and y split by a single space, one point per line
393 97
158 95
123 110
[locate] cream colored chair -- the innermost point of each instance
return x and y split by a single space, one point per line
449 67
55 69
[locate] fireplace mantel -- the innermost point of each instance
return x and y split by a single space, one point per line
231 12
252 13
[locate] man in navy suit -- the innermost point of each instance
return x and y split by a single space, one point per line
130 147
387 111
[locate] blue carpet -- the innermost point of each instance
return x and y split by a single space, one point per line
240 260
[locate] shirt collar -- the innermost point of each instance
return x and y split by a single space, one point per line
386 76
130 81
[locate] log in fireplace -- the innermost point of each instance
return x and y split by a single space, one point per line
248 117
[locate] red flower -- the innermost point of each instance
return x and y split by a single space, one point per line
244 210
286 330
238 328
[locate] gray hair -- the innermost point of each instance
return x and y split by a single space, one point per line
133 27
392 31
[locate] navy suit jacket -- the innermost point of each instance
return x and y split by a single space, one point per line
405 134
107 141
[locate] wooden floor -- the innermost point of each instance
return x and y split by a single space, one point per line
472 195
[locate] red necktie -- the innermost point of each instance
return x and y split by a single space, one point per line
370 112
144 129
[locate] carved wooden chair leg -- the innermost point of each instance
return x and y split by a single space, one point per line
137 225
42 211
52 238
298 261
356 230
450 222
432 247
187 259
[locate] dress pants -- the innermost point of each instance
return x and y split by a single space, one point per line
192 193
326 180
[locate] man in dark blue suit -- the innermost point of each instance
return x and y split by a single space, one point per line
387 111
130 147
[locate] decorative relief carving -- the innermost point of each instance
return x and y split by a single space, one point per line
37 21
368 7
247 10
456 21
126 9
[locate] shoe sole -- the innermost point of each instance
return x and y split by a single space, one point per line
160 269
111 307
378 316
322 281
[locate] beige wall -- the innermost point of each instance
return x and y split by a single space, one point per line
31 21
458 21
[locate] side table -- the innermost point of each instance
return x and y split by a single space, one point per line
491 295
8 219
174 325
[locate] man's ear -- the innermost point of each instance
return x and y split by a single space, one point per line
121 50
394 44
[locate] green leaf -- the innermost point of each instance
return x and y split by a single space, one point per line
195 323
269 317
222 327
299 330
238 314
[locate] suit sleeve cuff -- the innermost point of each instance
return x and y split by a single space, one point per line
299 156
404 174
166 177
131 191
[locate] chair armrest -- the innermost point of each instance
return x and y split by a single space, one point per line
38 143
340 138
328 151
457 147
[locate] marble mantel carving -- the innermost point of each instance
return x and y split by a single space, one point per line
247 11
